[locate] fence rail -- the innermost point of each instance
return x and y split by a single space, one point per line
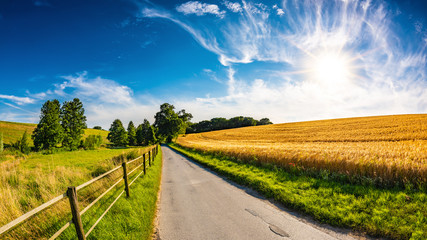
71 193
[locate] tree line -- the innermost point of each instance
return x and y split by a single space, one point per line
63 127
167 125
223 123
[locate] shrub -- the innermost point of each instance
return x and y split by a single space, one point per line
92 142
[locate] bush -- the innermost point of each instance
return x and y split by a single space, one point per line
22 144
92 142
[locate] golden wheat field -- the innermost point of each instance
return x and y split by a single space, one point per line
389 149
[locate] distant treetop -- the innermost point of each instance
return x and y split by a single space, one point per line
222 123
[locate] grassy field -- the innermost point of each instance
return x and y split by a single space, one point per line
13 131
28 182
386 150
390 213
129 218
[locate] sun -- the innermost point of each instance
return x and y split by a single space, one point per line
330 68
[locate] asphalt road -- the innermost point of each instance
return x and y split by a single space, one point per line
197 204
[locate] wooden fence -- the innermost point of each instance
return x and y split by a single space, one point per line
71 193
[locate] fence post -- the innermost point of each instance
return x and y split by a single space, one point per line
143 155
77 220
149 158
125 177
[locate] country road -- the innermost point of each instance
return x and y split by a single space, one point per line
197 204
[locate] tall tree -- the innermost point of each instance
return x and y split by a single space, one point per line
24 147
131 134
169 123
185 117
146 134
1 142
117 134
48 132
73 122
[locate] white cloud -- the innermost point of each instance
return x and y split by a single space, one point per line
386 77
105 90
280 11
18 100
200 9
103 99
233 6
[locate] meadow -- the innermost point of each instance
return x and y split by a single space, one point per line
29 181
12 131
388 151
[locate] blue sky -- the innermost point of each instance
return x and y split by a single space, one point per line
285 60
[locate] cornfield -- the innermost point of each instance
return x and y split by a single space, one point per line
392 150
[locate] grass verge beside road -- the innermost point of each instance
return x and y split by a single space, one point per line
391 213
129 218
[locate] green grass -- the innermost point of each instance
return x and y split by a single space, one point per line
129 218
12 131
81 160
391 213
28 182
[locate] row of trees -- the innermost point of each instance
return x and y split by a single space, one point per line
168 125
223 123
60 125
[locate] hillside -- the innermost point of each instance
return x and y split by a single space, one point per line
12 131
390 149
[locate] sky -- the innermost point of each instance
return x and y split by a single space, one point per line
291 60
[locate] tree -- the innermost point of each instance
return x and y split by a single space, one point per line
185 117
24 147
48 132
1 142
169 123
73 122
264 121
145 133
131 134
117 134
97 127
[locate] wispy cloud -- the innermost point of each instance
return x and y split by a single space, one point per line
200 9
17 100
280 11
104 99
388 75
104 90
233 6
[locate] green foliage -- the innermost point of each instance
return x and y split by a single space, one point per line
24 146
145 134
49 131
118 135
73 121
1 142
390 213
169 123
264 121
222 123
131 134
92 142
97 127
